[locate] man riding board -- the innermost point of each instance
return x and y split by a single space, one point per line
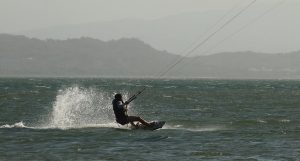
120 110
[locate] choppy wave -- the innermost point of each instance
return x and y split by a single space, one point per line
168 87
40 86
15 125
167 96
261 121
194 129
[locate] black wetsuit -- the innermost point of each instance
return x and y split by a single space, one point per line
119 110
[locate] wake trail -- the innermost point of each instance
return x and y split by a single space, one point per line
22 125
195 129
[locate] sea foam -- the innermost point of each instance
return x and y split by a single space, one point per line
15 125
78 107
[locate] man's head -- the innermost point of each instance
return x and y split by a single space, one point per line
118 96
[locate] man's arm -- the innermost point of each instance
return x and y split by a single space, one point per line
122 105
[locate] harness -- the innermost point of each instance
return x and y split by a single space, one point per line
121 115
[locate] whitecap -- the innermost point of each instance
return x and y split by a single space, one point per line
42 86
261 121
194 129
15 125
167 87
285 121
192 87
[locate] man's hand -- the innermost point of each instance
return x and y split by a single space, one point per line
126 103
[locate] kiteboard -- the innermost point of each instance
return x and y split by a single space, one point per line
154 125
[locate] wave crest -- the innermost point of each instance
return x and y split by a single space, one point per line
15 125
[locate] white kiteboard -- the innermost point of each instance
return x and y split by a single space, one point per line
154 125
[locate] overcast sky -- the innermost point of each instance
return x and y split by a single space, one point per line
20 15
28 14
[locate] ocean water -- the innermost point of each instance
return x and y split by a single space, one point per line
72 119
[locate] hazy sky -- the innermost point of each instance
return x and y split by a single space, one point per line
20 15
27 14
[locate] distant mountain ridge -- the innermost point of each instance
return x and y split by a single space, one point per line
176 32
160 33
129 57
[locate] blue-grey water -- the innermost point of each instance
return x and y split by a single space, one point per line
72 119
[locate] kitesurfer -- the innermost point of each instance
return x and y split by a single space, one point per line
120 110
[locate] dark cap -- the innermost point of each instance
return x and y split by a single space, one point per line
118 96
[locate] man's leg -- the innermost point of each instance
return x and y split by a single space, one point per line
139 119
132 124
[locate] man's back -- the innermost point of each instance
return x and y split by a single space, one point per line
119 110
